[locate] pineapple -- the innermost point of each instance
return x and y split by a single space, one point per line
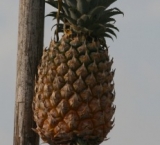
74 89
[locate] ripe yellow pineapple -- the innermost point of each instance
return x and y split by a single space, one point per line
74 90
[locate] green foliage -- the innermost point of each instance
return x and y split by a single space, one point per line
88 16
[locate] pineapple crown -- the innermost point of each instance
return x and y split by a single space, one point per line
89 17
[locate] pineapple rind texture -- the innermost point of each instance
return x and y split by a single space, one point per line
74 92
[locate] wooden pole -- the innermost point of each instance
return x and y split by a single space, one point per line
30 44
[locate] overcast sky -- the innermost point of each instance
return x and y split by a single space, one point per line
136 54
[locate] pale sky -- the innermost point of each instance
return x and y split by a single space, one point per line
136 54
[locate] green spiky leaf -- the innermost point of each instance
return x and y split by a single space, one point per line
61 17
96 10
82 6
51 14
107 35
112 12
71 3
65 9
111 26
106 20
107 3
52 3
111 32
60 26
82 21
74 13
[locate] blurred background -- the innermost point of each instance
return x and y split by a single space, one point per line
136 54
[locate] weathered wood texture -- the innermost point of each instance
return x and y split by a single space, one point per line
30 45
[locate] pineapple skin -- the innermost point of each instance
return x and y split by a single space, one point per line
74 92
